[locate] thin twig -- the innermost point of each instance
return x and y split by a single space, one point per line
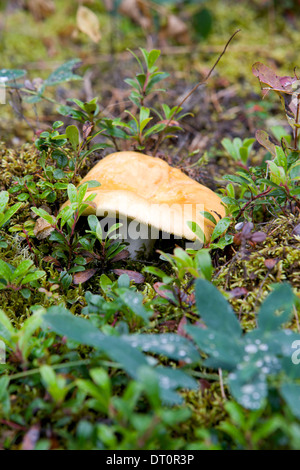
193 90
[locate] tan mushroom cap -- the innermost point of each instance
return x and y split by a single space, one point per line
148 190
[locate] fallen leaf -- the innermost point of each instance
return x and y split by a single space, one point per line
42 229
271 263
83 276
138 278
88 23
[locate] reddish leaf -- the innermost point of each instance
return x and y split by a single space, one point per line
50 259
162 290
238 292
138 278
268 77
83 276
122 255
270 263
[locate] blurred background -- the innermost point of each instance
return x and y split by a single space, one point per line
39 35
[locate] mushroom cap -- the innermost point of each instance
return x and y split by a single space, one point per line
147 189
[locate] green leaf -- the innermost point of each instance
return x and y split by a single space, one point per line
202 22
222 350
220 228
22 269
291 393
72 134
5 271
134 301
170 345
72 193
11 75
281 301
4 197
10 212
64 73
215 310
33 276
45 215
84 332
6 328
197 230
204 263
81 192
152 57
209 216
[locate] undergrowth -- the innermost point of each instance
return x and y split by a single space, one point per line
187 349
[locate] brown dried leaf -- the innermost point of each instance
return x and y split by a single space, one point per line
88 23
122 255
264 139
83 276
42 229
87 129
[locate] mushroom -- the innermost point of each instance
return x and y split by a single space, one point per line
148 197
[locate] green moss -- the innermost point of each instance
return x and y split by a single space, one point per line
251 272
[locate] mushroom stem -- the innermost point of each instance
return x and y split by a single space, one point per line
141 237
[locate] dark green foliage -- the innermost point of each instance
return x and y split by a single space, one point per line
254 358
